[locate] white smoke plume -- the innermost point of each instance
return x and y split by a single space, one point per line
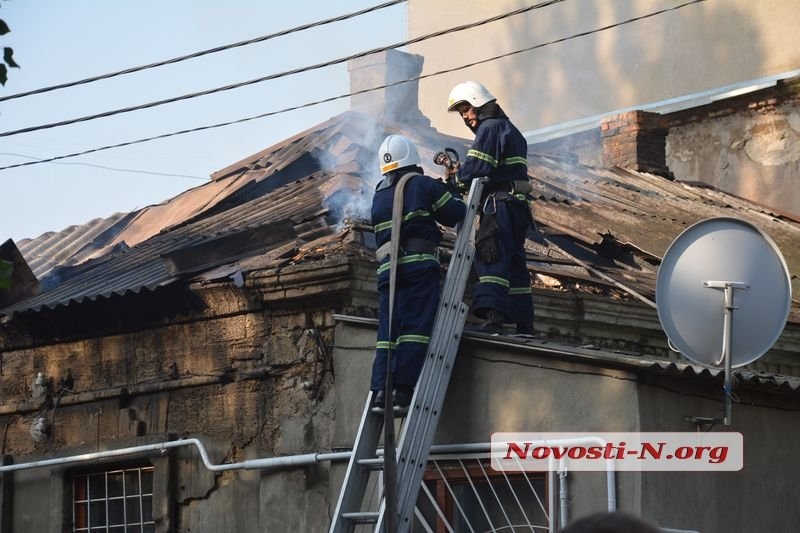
348 194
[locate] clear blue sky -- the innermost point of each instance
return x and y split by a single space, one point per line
57 42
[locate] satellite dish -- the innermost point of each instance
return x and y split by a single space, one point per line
723 288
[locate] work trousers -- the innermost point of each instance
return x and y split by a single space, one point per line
504 285
416 299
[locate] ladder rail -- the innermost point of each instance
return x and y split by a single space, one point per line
423 416
449 321
416 435
356 478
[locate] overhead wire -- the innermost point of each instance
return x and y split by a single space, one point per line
283 74
201 53
116 169
334 98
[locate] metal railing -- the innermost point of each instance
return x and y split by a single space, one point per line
461 493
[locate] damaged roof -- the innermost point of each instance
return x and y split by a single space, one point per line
601 230
593 222
621 222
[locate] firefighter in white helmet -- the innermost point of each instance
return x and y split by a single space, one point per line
426 202
499 152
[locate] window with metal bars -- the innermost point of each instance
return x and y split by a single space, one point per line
113 501
467 495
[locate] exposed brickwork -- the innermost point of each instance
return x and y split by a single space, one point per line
765 101
635 140
747 145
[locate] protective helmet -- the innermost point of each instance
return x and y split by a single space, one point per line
470 92
397 152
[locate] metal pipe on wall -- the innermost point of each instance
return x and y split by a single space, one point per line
268 462
311 458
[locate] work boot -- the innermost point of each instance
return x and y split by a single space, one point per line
378 402
493 325
402 399
525 328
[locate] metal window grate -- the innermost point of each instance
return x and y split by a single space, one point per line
460 493
113 501
463 494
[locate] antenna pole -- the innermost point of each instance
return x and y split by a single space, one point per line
727 332
726 352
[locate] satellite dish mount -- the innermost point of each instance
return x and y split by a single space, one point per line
734 257
727 288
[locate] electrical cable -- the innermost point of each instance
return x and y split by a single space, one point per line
203 52
133 171
334 98
278 75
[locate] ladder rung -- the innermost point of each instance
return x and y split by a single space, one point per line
361 518
418 429
372 464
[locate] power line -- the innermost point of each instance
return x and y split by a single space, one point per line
116 169
204 52
334 98
279 74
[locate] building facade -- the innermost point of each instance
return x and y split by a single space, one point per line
210 376
562 67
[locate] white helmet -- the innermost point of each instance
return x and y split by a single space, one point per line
397 152
470 92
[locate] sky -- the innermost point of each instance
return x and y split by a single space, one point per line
60 42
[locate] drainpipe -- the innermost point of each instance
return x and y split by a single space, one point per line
563 492
562 472
551 485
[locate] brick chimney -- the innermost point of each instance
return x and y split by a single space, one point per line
399 103
635 140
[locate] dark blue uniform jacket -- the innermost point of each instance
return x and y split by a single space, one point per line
426 201
499 152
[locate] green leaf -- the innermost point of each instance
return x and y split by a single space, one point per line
3 74
4 27
6 269
8 57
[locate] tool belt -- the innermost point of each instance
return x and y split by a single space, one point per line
486 244
512 187
409 246
515 192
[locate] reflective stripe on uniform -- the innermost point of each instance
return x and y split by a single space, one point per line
386 225
446 197
520 290
410 258
421 339
494 279
516 160
483 157
411 338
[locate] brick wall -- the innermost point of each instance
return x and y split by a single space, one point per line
635 140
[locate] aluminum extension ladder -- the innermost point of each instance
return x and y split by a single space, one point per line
416 435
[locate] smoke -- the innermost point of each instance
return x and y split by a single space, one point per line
358 210
355 174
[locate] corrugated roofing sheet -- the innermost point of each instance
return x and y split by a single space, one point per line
594 220
649 363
